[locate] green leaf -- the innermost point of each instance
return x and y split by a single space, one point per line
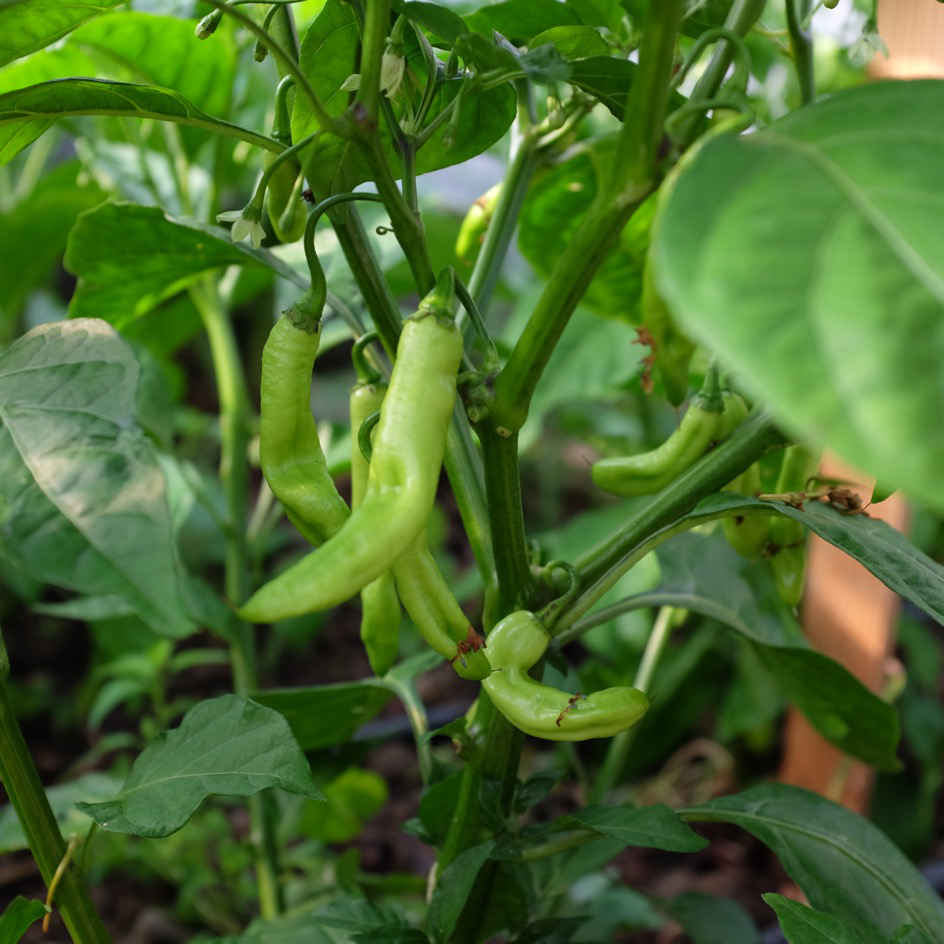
439 20
353 797
606 79
712 920
703 573
329 56
655 827
887 553
593 357
519 20
35 230
816 273
28 25
19 915
161 50
453 887
554 208
26 113
804 925
841 862
130 258
323 715
573 42
82 497
224 746
337 923
62 800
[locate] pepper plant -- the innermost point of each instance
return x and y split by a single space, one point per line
713 216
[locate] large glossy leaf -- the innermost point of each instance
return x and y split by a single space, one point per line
33 234
810 258
27 112
704 574
329 56
82 498
130 258
28 25
224 746
842 863
162 50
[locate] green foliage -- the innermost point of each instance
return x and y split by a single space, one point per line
801 258
17 918
850 272
227 745
833 856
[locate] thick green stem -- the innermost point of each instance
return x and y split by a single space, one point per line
632 177
601 567
26 793
506 515
234 473
572 273
801 44
641 135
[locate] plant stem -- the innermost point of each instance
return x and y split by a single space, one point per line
618 750
632 178
25 790
637 148
502 225
506 516
286 61
602 566
234 473
801 45
741 17
373 40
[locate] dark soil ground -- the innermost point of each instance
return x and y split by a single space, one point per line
141 910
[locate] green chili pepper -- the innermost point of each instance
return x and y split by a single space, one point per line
709 419
786 537
516 644
404 471
291 456
283 199
436 613
747 534
475 223
789 567
380 606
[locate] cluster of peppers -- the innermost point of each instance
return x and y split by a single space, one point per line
712 416
377 548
